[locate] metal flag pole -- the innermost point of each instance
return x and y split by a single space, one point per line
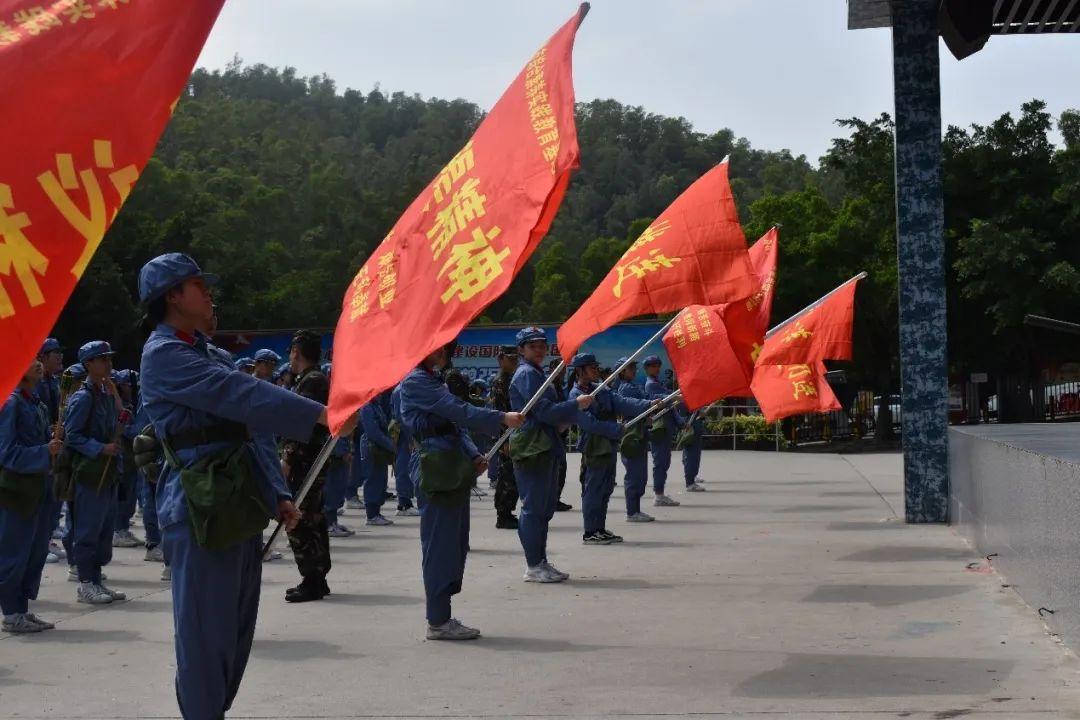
305 488
659 334
817 302
525 410
673 396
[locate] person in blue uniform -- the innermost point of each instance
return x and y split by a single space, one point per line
448 465
204 414
536 450
126 384
635 458
380 453
403 483
600 435
691 452
245 365
47 391
26 502
90 431
660 438
265 366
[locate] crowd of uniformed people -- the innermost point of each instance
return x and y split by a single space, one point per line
207 450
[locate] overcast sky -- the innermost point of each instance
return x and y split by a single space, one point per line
778 72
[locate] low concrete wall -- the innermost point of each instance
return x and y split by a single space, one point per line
1015 491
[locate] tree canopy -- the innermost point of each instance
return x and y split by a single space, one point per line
283 186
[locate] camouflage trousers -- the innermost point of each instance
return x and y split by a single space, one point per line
506 491
309 540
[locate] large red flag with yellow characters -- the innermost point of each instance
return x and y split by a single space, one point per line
785 390
86 88
462 241
693 254
747 321
820 332
704 360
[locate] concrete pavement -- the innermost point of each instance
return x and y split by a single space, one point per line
789 589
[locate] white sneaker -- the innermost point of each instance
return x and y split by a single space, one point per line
38 621
20 625
665 501
124 539
274 555
154 554
114 594
58 550
694 487
379 520
166 574
408 512
699 481
556 571
52 558
540 574
354 504
92 594
339 531
452 630
639 517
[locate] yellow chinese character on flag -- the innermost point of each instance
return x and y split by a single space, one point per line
640 267
798 333
466 205
798 375
18 256
36 20
76 10
473 265
454 171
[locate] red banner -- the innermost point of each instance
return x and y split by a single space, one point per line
87 88
704 360
693 254
786 390
820 332
747 321
462 241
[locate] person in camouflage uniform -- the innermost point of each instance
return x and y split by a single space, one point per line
309 540
506 491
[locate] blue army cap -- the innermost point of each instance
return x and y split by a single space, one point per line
167 271
76 371
266 355
478 383
652 360
244 362
530 334
622 361
282 369
325 368
125 377
50 345
94 349
583 360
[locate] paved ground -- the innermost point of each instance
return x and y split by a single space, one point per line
789 589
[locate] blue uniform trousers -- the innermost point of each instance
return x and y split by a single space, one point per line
357 475
691 462
538 486
215 595
127 483
94 518
403 482
414 476
599 484
444 541
24 543
661 458
637 477
149 513
334 490
375 487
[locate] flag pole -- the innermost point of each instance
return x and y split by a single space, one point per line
633 358
305 488
817 302
662 404
525 410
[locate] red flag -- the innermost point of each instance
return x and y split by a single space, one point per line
704 360
461 242
87 88
785 390
746 321
693 254
820 332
